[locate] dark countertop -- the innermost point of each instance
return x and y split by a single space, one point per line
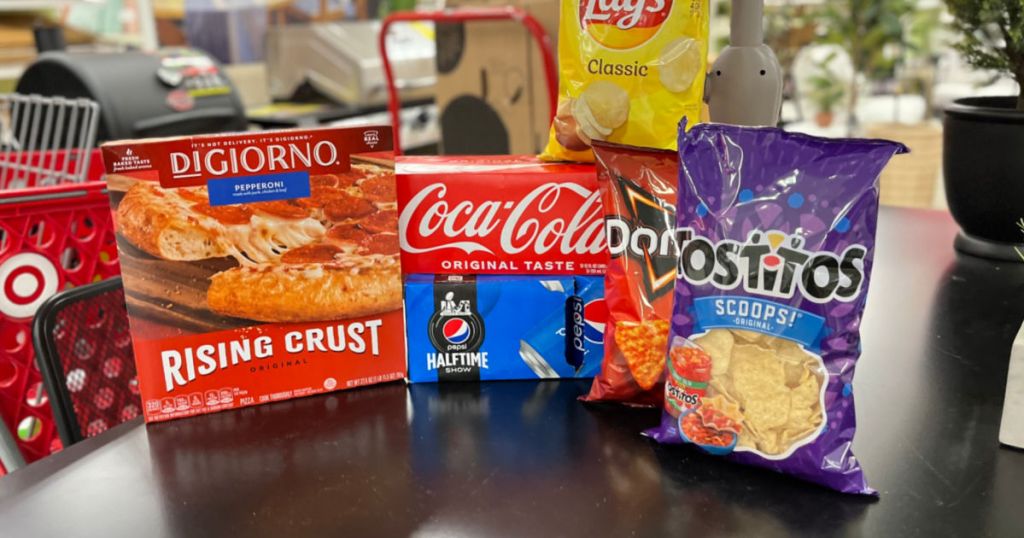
526 459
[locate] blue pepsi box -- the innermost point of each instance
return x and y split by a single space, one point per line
493 327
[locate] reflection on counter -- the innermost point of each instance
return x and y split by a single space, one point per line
533 445
325 446
486 423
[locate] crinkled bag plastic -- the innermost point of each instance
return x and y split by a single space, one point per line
776 234
638 189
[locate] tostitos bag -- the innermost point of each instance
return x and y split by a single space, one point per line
776 236
629 71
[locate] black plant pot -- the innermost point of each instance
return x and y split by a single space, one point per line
983 163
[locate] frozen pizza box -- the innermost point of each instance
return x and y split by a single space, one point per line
258 266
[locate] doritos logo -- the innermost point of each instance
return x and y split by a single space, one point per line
623 24
646 235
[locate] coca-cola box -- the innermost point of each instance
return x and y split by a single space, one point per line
505 214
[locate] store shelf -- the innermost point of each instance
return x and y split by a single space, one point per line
28 5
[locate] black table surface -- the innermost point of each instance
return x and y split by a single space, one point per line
526 459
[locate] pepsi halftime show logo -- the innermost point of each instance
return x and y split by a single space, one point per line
454 326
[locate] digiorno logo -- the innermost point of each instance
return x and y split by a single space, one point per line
225 158
772 263
623 24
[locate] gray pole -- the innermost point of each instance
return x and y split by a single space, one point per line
745 23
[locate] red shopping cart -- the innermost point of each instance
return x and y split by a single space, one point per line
56 232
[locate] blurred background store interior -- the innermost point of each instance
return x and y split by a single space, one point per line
879 68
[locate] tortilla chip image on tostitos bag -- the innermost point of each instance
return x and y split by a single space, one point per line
638 191
776 233
629 70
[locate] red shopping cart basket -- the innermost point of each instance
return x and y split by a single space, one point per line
51 238
47 141
55 233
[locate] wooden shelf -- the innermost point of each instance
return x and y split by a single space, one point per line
29 5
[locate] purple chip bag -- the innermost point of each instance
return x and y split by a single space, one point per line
776 235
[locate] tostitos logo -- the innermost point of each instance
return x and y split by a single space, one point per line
456 331
772 263
623 24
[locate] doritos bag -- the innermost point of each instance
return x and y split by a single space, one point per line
638 189
629 71
776 234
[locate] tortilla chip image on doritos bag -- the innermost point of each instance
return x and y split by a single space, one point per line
776 236
638 190
629 71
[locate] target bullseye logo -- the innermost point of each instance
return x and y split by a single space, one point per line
26 280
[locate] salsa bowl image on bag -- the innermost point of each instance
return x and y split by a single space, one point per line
775 234
258 266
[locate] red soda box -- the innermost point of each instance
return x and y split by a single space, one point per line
499 215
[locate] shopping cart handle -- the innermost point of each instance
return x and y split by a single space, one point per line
463 15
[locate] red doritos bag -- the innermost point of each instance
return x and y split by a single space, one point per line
638 187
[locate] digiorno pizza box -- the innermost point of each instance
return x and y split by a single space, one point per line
258 266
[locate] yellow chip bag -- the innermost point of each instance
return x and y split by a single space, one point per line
630 70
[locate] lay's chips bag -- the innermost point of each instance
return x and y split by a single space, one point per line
776 235
630 69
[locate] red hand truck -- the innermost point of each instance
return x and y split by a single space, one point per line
465 15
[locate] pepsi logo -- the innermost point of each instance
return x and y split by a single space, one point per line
595 316
457 331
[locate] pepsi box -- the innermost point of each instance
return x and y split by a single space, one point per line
495 327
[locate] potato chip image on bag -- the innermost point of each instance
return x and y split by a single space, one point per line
638 191
776 236
629 72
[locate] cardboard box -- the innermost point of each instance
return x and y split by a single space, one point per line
492 94
258 266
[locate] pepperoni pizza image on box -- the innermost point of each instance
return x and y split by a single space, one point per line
258 266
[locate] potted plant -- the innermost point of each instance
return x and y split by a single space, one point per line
826 91
983 140
868 30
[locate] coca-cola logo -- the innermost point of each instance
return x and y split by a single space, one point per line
537 223
623 24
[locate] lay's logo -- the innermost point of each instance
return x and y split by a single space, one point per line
623 24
